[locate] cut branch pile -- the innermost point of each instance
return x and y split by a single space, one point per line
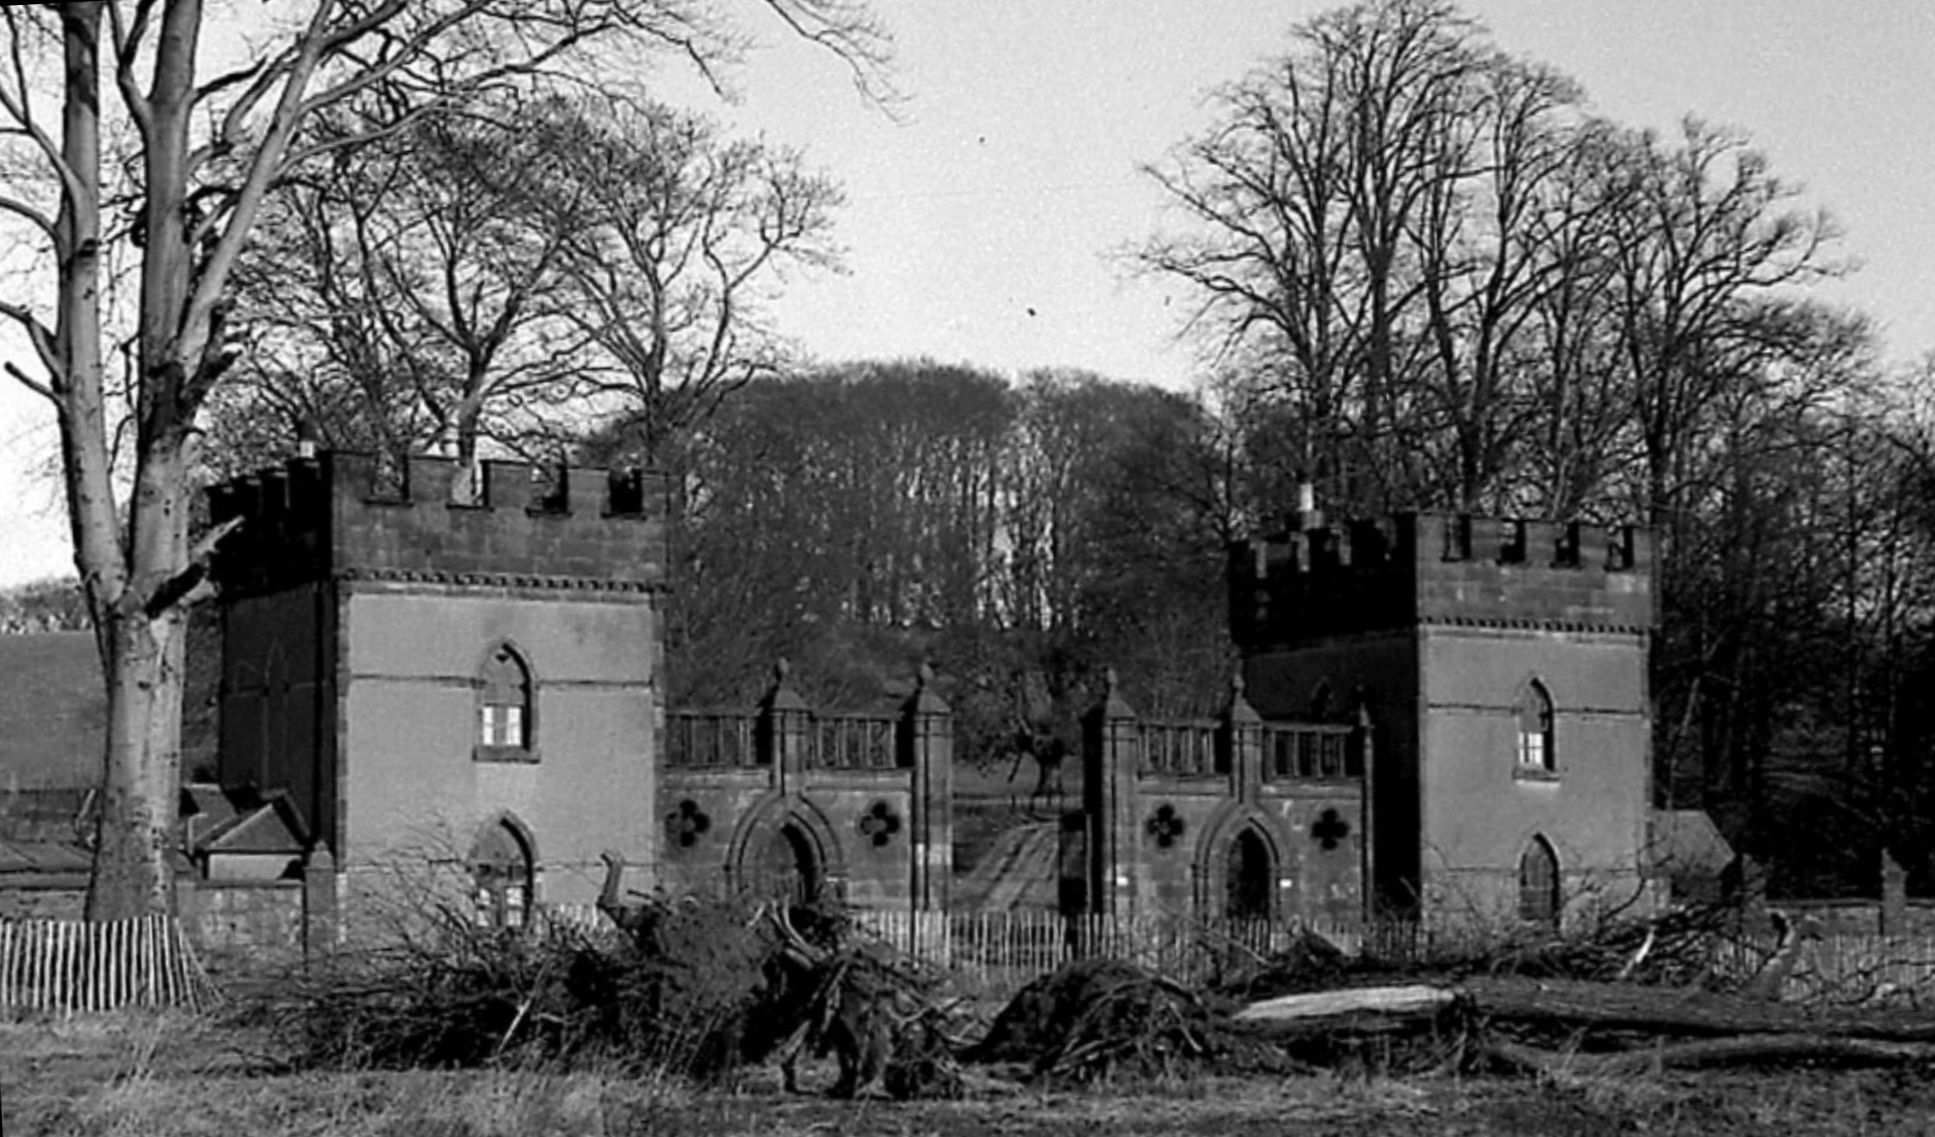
690 989
1677 949
1096 1019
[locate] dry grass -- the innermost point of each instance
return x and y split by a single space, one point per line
484 1104
161 1077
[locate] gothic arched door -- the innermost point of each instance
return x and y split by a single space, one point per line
1250 872
786 867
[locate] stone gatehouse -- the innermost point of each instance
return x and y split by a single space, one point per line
1502 667
1437 716
431 676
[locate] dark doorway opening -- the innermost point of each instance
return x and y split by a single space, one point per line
787 868
1252 876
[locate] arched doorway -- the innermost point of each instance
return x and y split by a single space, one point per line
1250 874
785 866
501 872
1538 883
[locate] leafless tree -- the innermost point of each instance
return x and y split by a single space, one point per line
1336 252
405 295
1709 259
209 150
677 235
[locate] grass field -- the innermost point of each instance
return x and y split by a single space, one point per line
148 1077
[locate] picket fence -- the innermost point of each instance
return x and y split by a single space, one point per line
999 952
67 967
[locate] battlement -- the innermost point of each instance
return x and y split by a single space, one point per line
1310 583
342 515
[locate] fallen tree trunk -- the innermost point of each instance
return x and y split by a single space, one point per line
1608 1027
1356 1008
1675 1011
1707 1053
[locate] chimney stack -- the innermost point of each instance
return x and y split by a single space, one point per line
1308 516
306 438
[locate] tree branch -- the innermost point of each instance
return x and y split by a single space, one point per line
127 35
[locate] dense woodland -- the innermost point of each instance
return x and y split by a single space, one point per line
1425 275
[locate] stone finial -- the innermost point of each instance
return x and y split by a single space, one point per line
781 696
1239 709
1112 705
925 699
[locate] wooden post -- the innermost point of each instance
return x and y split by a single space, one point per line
1366 813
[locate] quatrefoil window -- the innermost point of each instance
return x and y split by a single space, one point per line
687 824
1164 826
1330 829
879 824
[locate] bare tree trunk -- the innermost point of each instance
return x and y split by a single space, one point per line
141 749
133 874
140 627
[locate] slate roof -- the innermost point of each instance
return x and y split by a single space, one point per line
52 711
41 856
43 865
1687 841
272 827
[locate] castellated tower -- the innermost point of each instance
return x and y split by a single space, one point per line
447 683
1503 664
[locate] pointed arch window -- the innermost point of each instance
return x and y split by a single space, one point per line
1537 745
506 720
1538 884
501 872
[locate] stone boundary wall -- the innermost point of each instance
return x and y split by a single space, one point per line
234 923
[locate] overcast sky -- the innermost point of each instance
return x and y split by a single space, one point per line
982 226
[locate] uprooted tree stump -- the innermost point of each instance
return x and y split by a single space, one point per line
876 1010
1096 1019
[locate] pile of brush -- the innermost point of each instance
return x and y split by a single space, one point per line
691 989
1099 1019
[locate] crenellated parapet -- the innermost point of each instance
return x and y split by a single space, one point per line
342 516
1322 581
